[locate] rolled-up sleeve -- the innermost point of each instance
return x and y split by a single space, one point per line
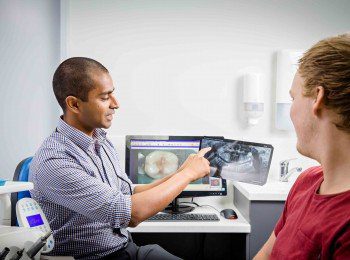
63 181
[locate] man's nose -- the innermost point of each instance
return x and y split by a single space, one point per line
115 103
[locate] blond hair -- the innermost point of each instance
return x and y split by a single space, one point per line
327 64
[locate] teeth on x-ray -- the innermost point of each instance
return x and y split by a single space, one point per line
237 160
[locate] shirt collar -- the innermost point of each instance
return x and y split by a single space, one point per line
78 137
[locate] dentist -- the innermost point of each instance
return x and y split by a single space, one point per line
88 200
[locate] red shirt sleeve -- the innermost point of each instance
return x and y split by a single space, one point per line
281 221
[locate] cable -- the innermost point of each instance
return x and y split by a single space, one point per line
210 206
197 205
116 171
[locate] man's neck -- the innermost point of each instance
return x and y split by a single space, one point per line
78 125
334 158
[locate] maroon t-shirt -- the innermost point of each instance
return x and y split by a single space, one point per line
313 226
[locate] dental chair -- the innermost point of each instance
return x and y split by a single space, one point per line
21 174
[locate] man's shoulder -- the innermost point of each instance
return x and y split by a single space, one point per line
54 143
53 147
311 175
307 179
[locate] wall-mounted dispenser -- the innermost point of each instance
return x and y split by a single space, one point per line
252 98
287 65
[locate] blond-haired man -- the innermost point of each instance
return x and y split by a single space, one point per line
315 223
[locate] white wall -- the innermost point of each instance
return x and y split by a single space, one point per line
178 65
29 51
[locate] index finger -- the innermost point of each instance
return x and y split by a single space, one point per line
202 152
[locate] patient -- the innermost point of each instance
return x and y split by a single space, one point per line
315 223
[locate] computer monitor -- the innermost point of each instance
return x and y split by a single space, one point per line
149 158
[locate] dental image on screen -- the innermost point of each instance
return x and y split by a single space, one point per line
154 159
238 161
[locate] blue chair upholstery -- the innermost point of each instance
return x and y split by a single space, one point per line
21 174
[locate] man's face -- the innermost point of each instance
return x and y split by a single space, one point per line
98 111
302 117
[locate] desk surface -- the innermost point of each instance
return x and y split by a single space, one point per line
239 225
271 191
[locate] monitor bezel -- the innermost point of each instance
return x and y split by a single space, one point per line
183 194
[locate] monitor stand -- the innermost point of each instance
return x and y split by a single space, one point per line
175 208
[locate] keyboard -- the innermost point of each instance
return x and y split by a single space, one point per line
184 217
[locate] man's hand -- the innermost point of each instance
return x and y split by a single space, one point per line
189 158
185 164
202 152
196 166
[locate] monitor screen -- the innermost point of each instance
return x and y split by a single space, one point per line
149 158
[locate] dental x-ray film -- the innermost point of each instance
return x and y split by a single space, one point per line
238 160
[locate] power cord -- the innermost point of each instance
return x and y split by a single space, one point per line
197 205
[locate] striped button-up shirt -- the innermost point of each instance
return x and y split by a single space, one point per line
76 184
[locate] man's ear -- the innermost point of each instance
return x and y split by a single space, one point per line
72 104
318 101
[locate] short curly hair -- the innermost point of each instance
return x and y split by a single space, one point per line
73 77
327 64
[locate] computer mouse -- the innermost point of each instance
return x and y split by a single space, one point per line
228 214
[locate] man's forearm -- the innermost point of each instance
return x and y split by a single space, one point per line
144 187
261 255
158 197
265 251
